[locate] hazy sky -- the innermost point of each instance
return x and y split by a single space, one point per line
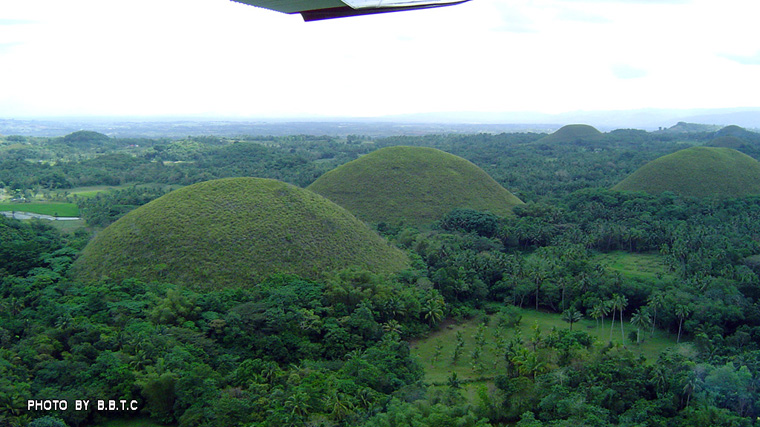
218 57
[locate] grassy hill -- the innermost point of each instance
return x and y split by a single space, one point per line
737 132
232 232
727 142
699 172
573 133
412 184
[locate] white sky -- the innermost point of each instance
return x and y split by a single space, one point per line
220 58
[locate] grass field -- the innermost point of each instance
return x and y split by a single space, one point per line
43 208
95 190
492 363
649 267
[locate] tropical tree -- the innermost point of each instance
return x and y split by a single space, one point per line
682 311
612 307
619 302
656 301
640 319
596 313
538 269
433 309
690 385
571 316
298 403
392 326
339 404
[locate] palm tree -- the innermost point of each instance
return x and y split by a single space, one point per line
605 307
611 305
571 316
340 405
392 326
596 313
655 301
660 379
298 404
433 310
690 386
682 311
621 302
640 319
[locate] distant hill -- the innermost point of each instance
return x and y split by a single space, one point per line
412 184
699 172
727 142
736 132
573 134
684 127
738 138
84 139
235 231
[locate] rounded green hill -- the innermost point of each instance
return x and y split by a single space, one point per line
233 232
698 172
415 185
727 142
573 133
735 131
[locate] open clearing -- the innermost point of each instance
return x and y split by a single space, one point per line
95 190
644 266
491 361
43 208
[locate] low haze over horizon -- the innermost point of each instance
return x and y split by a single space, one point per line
221 58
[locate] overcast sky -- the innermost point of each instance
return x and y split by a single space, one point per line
221 58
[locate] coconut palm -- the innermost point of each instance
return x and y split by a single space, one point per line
611 305
571 316
682 311
433 309
656 301
618 302
596 313
392 326
605 307
690 385
640 319
621 304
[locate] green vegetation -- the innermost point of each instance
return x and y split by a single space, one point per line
234 232
727 142
573 134
510 315
435 353
412 185
650 267
698 172
101 208
43 208
145 422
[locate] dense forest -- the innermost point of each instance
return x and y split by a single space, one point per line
339 350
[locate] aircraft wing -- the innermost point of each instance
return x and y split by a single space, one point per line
314 10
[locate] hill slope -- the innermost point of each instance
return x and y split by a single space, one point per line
235 231
573 133
412 184
699 172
